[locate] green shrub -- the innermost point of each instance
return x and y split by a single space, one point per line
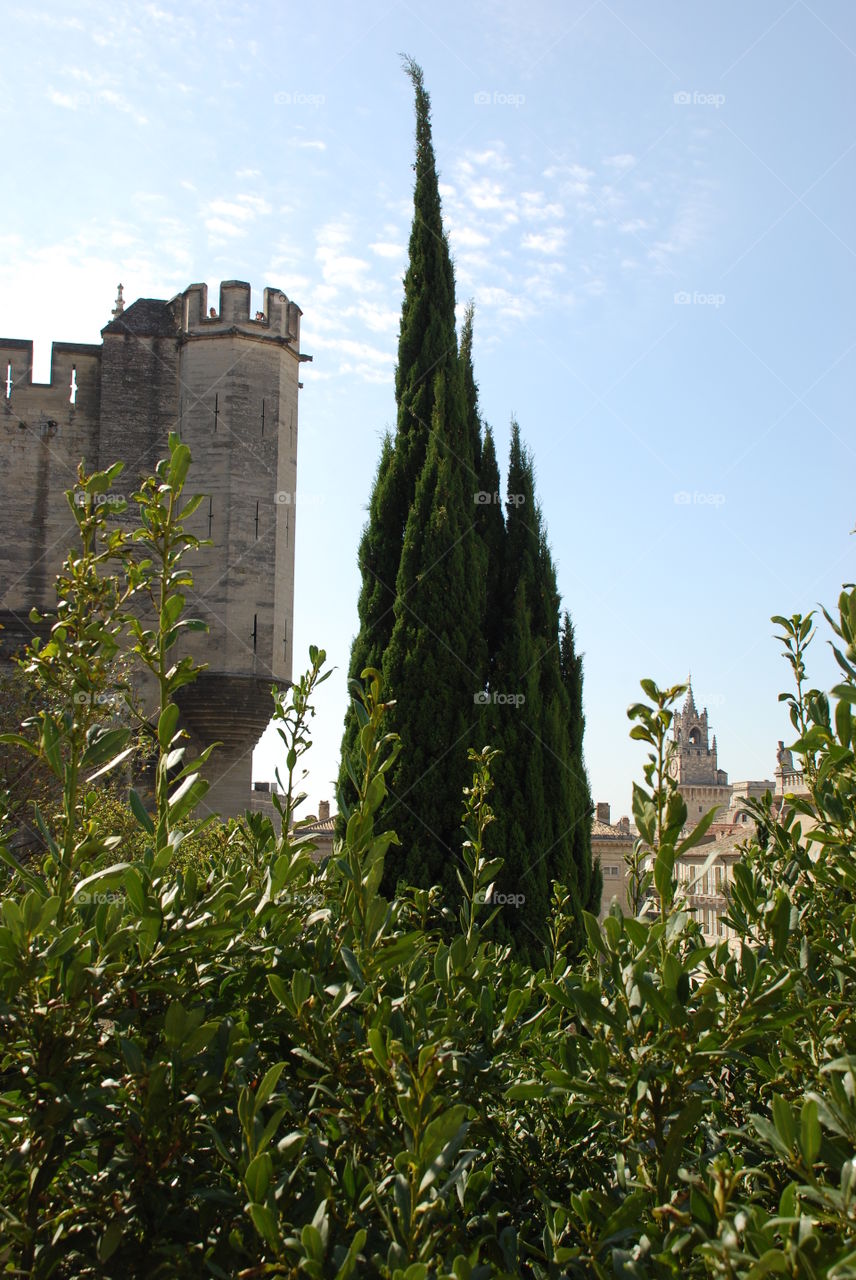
242 1063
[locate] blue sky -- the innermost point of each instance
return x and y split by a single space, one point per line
652 209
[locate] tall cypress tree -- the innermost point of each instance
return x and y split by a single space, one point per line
436 661
427 345
459 604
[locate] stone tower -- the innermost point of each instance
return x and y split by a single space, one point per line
694 765
227 382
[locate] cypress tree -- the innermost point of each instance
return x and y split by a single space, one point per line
435 664
460 604
541 796
490 525
471 445
572 677
427 345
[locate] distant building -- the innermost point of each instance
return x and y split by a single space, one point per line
610 846
789 778
320 831
704 786
694 764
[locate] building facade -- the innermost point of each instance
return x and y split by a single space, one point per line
226 380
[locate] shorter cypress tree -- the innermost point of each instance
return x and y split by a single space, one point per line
542 828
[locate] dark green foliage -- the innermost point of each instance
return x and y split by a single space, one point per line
571 668
491 528
433 670
470 446
542 799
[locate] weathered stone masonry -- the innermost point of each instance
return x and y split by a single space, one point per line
228 384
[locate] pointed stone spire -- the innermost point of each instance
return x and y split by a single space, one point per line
120 304
689 701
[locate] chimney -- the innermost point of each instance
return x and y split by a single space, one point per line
624 824
603 812
323 810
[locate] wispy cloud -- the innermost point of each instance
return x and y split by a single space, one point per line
388 249
230 219
468 237
621 162
550 242
341 270
94 97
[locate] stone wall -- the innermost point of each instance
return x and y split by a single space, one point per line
44 435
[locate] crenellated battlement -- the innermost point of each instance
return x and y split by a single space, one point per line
279 317
72 364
